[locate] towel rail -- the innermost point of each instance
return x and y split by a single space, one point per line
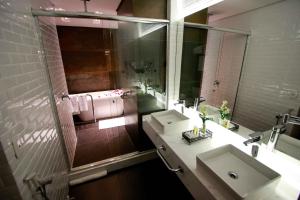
92 100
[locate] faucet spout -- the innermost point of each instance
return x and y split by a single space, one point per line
182 103
290 119
197 102
254 137
276 131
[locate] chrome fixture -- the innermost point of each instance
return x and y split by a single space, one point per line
281 128
92 15
37 185
175 170
289 119
254 137
63 96
254 150
182 103
126 94
205 26
93 107
85 5
197 102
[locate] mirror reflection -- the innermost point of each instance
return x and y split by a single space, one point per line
257 74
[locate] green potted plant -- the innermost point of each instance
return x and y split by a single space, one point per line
225 114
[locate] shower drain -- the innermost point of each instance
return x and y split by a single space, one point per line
233 175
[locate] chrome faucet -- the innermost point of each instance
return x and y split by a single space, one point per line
182 103
197 102
276 131
280 129
254 137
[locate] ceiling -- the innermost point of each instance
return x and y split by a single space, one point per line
106 6
219 11
229 8
100 6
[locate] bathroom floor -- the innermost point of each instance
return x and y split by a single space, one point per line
94 144
149 180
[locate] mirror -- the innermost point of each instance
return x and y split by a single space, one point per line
258 75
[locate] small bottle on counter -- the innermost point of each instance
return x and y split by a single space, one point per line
196 131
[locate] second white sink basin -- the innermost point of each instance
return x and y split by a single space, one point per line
170 120
241 172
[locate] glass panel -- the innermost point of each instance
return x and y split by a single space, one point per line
120 69
143 8
193 53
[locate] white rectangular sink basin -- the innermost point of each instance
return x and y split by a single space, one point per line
170 120
236 170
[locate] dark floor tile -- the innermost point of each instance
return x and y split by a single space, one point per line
149 181
94 145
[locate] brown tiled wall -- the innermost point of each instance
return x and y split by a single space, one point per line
88 57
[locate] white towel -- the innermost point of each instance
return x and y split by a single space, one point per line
74 101
83 104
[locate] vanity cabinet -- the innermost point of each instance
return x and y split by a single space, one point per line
201 183
172 161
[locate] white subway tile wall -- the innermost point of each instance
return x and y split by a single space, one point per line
59 84
223 62
211 63
270 78
28 135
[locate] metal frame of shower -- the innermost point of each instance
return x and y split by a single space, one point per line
208 27
100 168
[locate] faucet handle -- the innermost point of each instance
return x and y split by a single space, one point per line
279 128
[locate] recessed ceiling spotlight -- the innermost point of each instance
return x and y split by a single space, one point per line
96 21
59 9
65 19
99 12
49 8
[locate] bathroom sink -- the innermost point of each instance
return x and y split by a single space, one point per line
236 170
170 120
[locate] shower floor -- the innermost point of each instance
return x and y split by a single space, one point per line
96 142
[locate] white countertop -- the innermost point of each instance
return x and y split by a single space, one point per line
286 187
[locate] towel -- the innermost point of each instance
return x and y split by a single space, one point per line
83 104
75 106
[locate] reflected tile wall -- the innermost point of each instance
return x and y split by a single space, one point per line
59 84
270 79
29 139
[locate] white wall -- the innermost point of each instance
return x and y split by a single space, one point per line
271 75
29 139
59 85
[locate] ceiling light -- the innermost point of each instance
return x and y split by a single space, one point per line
59 9
96 21
99 12
50 8
65 19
